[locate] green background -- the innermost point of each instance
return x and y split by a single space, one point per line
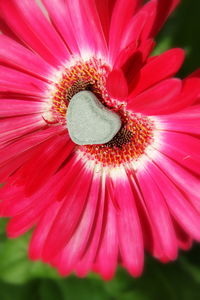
21 279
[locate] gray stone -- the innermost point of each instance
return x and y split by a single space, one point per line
89 121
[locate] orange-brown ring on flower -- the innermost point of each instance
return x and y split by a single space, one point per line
136 132
129 144
90 75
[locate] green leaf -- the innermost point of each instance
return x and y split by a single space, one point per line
163 45
50 290
84 289
15 267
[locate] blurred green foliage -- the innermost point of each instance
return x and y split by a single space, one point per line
21 279
183 30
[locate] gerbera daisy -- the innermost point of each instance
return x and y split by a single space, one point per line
99 143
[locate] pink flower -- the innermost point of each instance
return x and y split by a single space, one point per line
93 206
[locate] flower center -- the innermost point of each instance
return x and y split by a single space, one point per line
80 95
129 143
89 76
89 122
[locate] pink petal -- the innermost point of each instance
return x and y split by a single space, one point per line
158 12
132 59
178 205
18 82
11 107
30 25
85 19
159 213
42 229
125 55
188 96
157 99
129 227
87 261
182 148
122 13
14 160
10 207
69 214
72 253
20 224
6 30
10 204
116 90
163 66
107 257
12 53
184 240
163 12
45 162
186 121
104 9
152 242
15 127
19 146
180 176
60 18
31 214
10 166
133 29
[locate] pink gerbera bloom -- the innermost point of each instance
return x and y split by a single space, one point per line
99 144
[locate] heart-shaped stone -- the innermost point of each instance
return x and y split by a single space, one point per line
89 122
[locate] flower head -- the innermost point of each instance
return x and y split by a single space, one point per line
99 143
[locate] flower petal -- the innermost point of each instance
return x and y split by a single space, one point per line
60 18
157 99
42 230
18 82
46 160
12 108
12 53
106 261
133 30
186 121
129 227
88 259
19 146
70 212
105 8
178 205
67 260
182 148
188 96
30 25
159 214
12 128
122 13
161 67
179 175
158 12
116 90
85 19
